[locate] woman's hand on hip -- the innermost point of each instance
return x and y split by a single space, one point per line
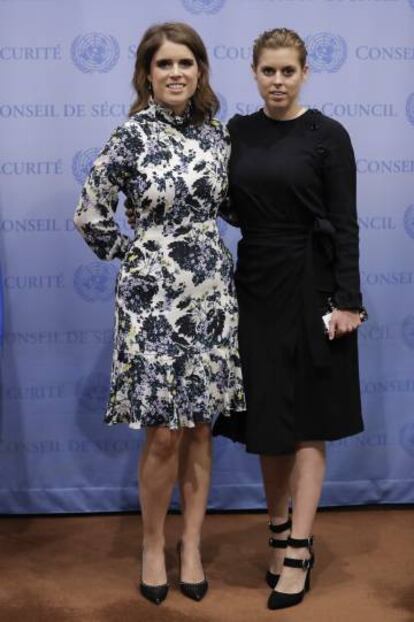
343 322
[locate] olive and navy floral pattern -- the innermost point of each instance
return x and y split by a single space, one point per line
176 360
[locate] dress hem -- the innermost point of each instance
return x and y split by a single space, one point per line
320 438
137 425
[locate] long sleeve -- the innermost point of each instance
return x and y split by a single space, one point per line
94 216
340 197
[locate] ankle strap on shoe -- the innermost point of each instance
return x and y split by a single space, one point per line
296 543
277 544
305 564
280 528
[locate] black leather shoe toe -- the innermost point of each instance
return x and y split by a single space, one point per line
154 593
195 591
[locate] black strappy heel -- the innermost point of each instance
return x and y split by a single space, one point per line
271 578
281 600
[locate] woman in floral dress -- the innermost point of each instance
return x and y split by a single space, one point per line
176 362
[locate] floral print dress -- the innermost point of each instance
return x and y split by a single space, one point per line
176 360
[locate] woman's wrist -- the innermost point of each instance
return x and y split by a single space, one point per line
361 311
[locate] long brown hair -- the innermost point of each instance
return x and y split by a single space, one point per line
204 101
279 38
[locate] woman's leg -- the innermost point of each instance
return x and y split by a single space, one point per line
157 475
305 484
194 480
276 471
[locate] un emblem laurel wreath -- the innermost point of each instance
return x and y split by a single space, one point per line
222 111
95 282
407 438
95 52
208 7
82 163
93 393
407 331
409 221
326 51
409 107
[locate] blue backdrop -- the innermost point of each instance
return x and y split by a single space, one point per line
65 69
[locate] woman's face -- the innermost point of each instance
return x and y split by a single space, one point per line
279 76
173 75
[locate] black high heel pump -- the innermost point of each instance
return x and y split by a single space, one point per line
154 593
195 591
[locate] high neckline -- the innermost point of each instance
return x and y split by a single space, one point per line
163 113
281 121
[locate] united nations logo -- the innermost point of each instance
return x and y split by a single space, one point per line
409 107
95 52
95 282
326 52
407 331
93 392
82 163
409 221
203 6
407 438
221 113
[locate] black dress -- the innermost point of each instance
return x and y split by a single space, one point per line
292 191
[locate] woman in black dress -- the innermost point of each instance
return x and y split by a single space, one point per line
292 192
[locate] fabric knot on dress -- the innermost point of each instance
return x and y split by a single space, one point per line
323 225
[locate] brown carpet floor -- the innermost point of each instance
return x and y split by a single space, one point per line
85 568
